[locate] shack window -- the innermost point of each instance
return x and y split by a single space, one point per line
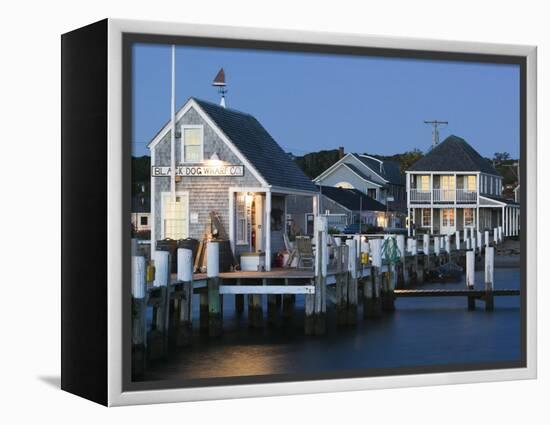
192 138
242 219
174 216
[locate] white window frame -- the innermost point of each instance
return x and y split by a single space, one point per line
473 218
467 183
237 240
182 143
421 179
162 196
429 216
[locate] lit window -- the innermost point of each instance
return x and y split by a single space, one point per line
424 183
448 217
468 217
471 183
344 185
426 217
192 143
174 216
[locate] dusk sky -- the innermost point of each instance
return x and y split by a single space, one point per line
310 102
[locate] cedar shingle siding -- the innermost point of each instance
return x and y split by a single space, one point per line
205 193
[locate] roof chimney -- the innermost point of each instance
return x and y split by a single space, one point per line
219 82
340 152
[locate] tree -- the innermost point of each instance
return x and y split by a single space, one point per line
501 156
405 159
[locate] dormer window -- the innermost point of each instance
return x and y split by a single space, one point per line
192 143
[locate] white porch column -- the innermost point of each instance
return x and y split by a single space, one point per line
232 220
410 220
431 220
508 220
153 207
503 221
268 231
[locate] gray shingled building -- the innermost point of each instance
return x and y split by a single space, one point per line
227 163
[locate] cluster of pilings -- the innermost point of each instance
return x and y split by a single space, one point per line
358 274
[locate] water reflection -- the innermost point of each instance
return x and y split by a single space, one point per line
422 331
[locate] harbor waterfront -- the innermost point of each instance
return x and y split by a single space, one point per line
255 262
396 314
420 332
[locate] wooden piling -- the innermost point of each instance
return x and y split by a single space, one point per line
352 283
289 300
489 277
373 302
239 301
213 285
437 251
139 316
400 266
413 273
272 307
470 277
184 302
341 281
157 343
309 320
321 276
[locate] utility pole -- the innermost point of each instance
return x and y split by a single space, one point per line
435 132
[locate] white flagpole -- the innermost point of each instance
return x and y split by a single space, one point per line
173 128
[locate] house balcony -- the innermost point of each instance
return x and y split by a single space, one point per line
442 196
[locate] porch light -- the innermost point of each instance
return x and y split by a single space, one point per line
214 159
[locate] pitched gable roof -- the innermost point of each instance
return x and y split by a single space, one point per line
453 154
361 174
257 145
352 199
387 169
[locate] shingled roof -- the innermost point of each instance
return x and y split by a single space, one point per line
352 199
257 145
389 170
453 154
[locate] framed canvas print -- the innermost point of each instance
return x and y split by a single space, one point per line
252 212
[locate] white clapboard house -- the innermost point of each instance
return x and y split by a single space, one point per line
381 180
453 187
227 163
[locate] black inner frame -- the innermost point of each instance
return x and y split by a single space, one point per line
129 39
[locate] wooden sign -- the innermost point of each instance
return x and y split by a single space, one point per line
200 171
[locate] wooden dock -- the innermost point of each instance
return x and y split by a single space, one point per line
477 293
343 279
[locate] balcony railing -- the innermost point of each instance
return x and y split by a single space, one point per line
450 196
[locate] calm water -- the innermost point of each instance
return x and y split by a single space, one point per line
422 331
